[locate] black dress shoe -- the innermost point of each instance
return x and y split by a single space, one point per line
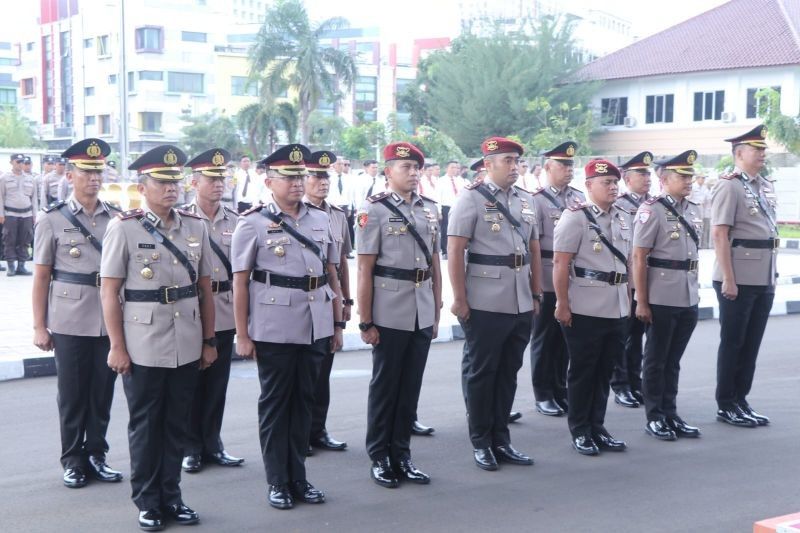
280 497
585 445
223 459
305 492
513 416
181 514
682 429
638 395
382 473
761 420
420 430
485 459
660 430
151 520
507 454
192 463
606 442
74 478
22 271
406 470
626 399
325 442
101 471
736 417
562 403
549 408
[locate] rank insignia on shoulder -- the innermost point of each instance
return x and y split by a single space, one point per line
730 176
131 213
192 214
254 209
651 201
230 211
112 207
361 219
537 190
378 197
473 185
426 198
577 207
54 206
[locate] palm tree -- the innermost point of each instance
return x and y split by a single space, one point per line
288 50
261 121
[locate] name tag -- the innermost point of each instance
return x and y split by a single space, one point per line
274 231
72 230
527 212
395 219
147 245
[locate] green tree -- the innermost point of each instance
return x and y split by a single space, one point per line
261 121
288 50
363 141
326 130
16 131
210 130
782 128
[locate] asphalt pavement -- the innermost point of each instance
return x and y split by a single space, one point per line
722 482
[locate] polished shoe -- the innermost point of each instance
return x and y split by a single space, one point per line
74 478
151 520
585 445
736 417
513 416
760 419
101 471
223 459
405 469
383 474
420 430
326 442
507 454
12 268
563 404
607 443
22 271
181 514
485 459
192 463
309 451
660 430
626 399
280 497
682 429
638 395
549 408
305 492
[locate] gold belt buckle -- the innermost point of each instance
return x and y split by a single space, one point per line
518 260
693 265
617 278
419 275
166 294
214 286
313 283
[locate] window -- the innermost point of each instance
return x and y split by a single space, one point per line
151 75
89 120
709 106
365 52
754 104
149 39
88 91
184 82
239 86
151 122
366 95
659 108
102 46
613 111
9 61
112 79
8 97
88 43
403 110
193 36
26 87
131 85
29 46
104 124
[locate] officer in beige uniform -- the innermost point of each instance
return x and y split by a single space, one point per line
205 423
548 350
746 244
592 243
67 317
18 206
399 300
288 315
51 180
664 264
496 288
159 260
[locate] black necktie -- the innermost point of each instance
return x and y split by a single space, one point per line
369 191
246 183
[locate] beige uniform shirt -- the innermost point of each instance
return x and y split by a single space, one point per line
339 227
18 191
280 314
72 309
573 235
655 227
49 192
399 304
220 231
498 289
628 203
158 335
547 215
733 205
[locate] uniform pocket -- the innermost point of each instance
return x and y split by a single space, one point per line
277 296
70 291
746 254
484 271
386 284
137 314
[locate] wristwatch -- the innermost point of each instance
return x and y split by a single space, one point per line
348 301
364 326
340 324
210 342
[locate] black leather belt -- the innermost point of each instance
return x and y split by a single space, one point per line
92 280
162 295
547 254
220 286
688 264
417 275
510 260
305 283
756 243
18 210
612 278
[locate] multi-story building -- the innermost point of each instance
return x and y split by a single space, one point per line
9 62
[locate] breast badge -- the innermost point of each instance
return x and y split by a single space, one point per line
147 273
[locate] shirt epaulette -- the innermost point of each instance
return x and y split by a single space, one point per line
473 185
112 207
188 213
54 206
336 208
578 207
651 201
312 206
523 189
730 176
131 213
378 197
186 207
229 210
254 209
537 191
427 198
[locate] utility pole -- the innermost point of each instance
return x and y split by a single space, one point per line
122 84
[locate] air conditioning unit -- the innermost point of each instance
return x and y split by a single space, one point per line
728 116
629 122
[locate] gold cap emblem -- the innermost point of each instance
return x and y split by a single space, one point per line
571 150
170 158
93 150
691 158
601 168
491 146
324 160
402 151
218 159
647 159
296 156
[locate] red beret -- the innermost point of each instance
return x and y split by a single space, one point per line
601 167
403 151
500 145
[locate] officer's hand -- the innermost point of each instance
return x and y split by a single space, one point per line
42 339
119 361
644 313
536 306
460 309
337 341
245 348
435 330
729 289
563 315
371 336
208 357
346 313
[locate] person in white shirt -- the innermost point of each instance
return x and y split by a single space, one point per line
427 183
369 182
248 185
447 188
701 195
343 192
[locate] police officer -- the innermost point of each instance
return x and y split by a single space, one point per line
548 350
664 264
496 289
18 206
288 315
626 381
205 422
317 187
159 259
67 315
746 244
479 169
399 301
591 245
51 180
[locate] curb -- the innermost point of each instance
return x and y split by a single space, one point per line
46 366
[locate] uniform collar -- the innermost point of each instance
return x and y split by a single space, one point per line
396 199
738 170
273 208
194 208
156 221
76 207
494 189
324 205
674 202
597 211
633 195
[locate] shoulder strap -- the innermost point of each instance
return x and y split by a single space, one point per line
222 257
759 202
630 201
69 215
551 199
689 229
294 233
411 229
500 207
159 237
596 227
